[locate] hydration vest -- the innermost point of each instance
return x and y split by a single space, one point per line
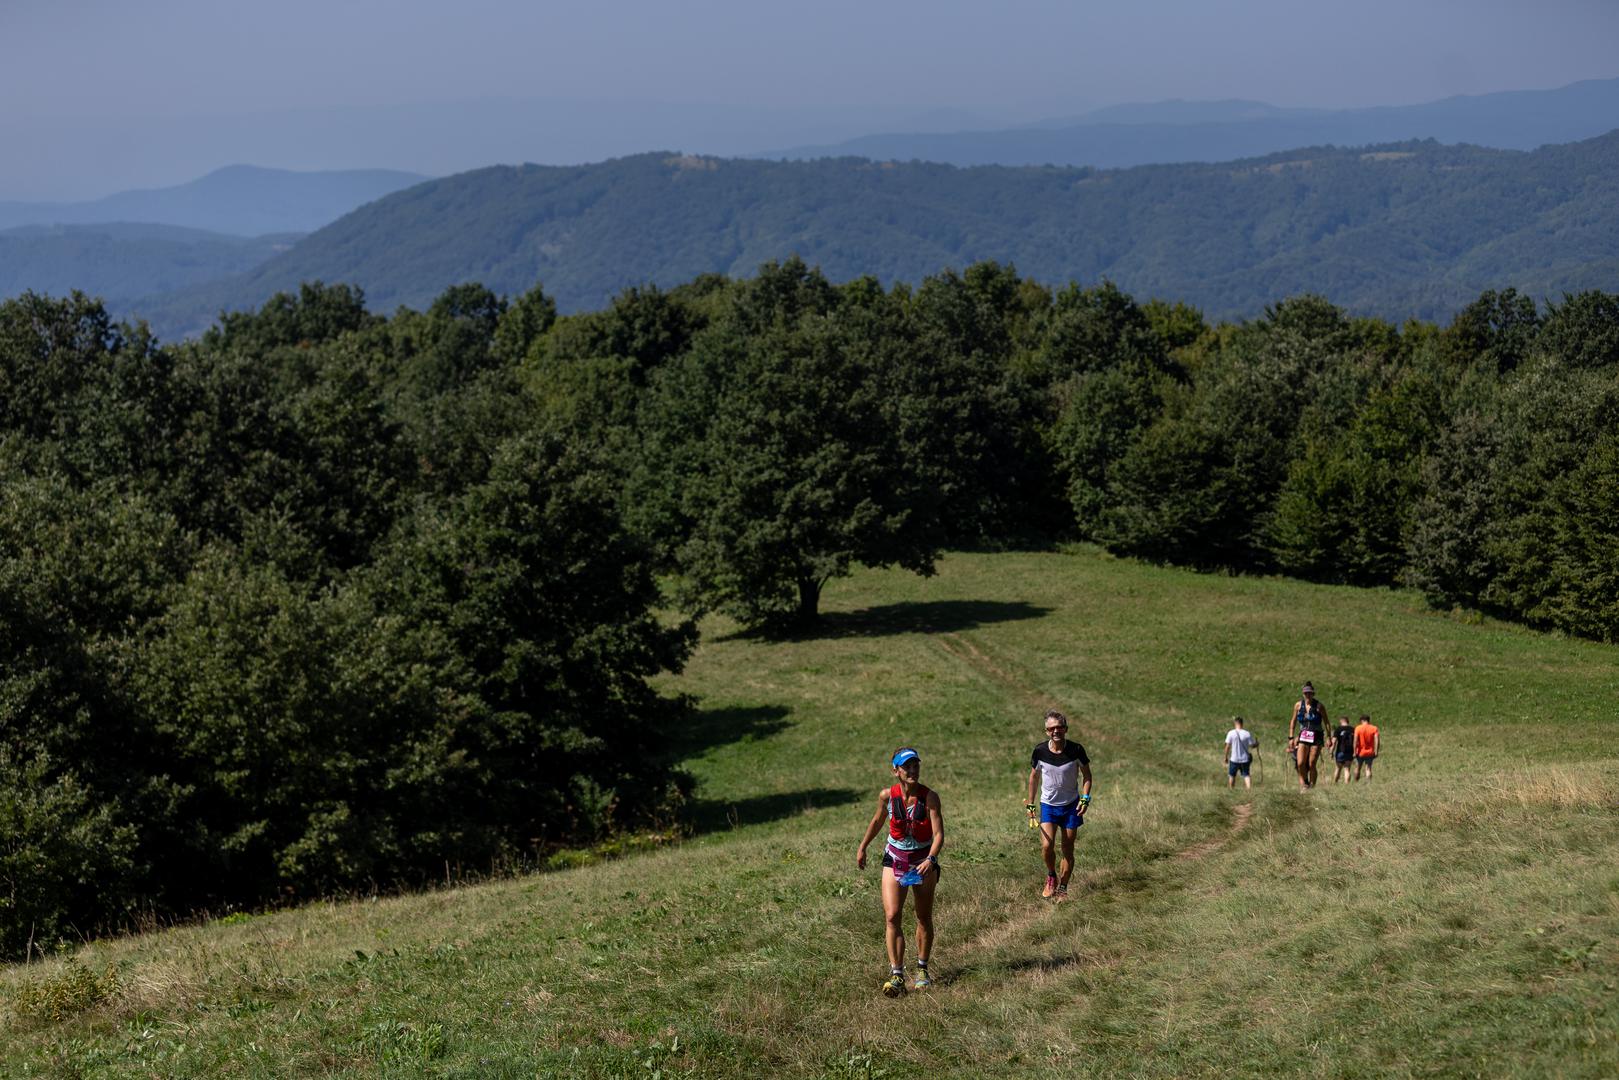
1313 715
913 824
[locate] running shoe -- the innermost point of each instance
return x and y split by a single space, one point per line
921 981
895 986
1051 886
1062 893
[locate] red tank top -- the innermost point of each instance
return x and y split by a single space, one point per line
912 823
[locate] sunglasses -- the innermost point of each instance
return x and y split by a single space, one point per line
1049 730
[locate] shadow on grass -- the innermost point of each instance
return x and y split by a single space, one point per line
1044 964
886 620
714 815
708 728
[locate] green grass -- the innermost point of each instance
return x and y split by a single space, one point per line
1457 916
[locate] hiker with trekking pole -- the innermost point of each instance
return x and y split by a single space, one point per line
1241 745
1306 732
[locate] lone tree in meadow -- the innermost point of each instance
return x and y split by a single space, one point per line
794 440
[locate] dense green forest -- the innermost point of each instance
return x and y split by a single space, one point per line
1397 231
325 600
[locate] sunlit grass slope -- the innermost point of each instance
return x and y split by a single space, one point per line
1457 916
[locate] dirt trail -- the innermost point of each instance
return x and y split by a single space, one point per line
1243 813
1013 927
975 658
1004 673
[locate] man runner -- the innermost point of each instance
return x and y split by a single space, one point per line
1343 749
1368 744
1239 746
1057 766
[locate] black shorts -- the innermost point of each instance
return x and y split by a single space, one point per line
1367 758
1342 759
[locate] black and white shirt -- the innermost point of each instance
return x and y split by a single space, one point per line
1059 772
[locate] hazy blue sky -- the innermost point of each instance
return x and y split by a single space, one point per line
130 65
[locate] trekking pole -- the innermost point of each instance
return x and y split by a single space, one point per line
1259 767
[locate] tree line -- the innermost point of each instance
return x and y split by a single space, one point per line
326 600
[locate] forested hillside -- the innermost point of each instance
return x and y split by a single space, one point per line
1398 231
325 599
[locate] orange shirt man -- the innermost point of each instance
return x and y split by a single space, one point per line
1368 744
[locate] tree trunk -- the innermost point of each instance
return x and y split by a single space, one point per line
809 601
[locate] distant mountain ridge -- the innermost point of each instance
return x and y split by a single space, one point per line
123 262
1409 229
240 200
1173 132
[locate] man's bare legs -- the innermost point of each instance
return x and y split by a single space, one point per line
1048 851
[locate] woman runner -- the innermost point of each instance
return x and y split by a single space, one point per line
910 859
1306 731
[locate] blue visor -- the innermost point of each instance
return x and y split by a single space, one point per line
906 755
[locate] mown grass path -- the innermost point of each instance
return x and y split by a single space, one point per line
1455 917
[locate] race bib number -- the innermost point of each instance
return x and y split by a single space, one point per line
1307 736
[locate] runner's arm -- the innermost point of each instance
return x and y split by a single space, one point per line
1084 788
871 830
1034 776
936 819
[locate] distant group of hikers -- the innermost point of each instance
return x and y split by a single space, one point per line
1307 736
1060 774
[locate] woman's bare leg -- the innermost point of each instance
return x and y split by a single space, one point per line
893 912
924 914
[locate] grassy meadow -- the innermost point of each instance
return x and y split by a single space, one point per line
1457 916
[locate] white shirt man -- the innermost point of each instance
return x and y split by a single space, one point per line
1239 747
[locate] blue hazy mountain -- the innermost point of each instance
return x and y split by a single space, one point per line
1408 229
120 262
241 200
1181 131
92 156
